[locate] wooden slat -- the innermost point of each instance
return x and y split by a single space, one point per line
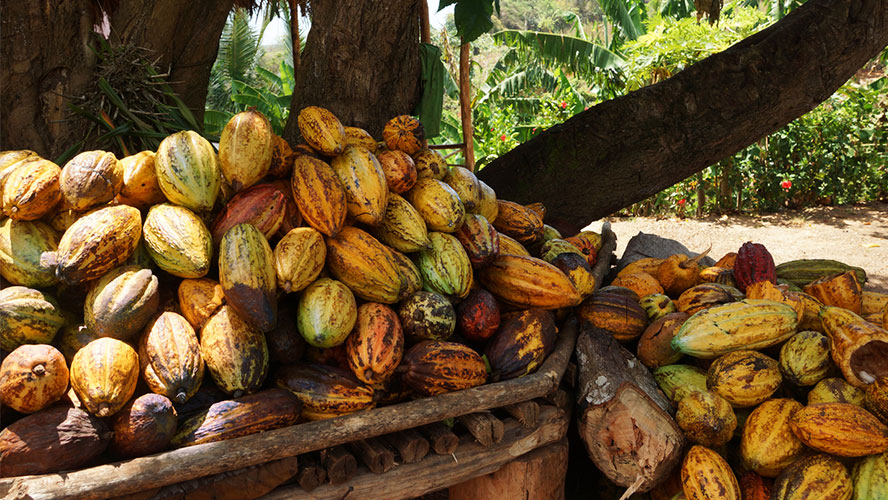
212 458
465 104
434 472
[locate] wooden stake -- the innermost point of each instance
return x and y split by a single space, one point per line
486 429
339 463
311 473
425 26
465 104
376 456
441 438
411 446
294 34
527 412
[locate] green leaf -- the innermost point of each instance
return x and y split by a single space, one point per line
472 18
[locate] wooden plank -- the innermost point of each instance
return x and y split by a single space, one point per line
465 104
439 471
183 464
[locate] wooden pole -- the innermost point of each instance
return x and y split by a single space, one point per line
425 26
465 104
294 34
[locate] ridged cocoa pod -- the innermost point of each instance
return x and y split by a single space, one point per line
299 258
521 343
510 246
755 487
376 344
644 265
22 248
876 400
199 299
677 381
263 205
753 264
427 316
98 242
706 475
28 316
518 222
326 313
479 238
356 136
121 302
700 297
527 282
188 172
33 377
810 318
840 429
245 149
178 241
321 130
577 270
292 218
556 246
399 169
365 265
715 274
366 191
445 266
410 274
744 378
706 418
816 476
478 316
71 339
434 367
803 271
235 353
654 345
617 313
319 195
466 185
870 477
859 348
325 391
402 227
104 374
840 290
144 426
487 206
90 178
767 444
228 419
140 188
430 164
52 440
641 283
285 344
677 273
836 390
656 306
169 355
247 275
872 302
804 358
438 204
588 242
282 156
31 189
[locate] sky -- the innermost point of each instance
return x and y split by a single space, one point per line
277 29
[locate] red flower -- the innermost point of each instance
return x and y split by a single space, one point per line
586 108
682 201
503 137
534 129
786 185
491 129
563 105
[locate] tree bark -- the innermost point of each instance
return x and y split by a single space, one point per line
627 149
363 65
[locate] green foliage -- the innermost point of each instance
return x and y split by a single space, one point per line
472 17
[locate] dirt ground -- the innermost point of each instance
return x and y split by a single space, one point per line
854 234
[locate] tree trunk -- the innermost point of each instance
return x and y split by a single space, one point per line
362 64
625 150
45 58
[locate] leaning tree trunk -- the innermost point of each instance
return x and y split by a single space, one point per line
624 150
361 61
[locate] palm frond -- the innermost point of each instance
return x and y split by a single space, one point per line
238 46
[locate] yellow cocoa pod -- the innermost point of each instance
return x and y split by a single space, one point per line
140 188
245 149
199 299
402 227
365 265
745 378
169 353
366 191
644 265
90 178
511 246
178 241
873 302
247 276
409 272
98 242
840 429
767 444
30 189
104 374
804 358
438 204
529 282
22 248
326 313
188 171
657 305
841 290
445 266
836 390
816 476
466 185
705 475
518 221
430 164
235 353
487 205
321 130
319 195
299 258
706 418
356 136
641 283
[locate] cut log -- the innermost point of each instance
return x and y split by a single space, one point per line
484 427
411 446
372 453
624 419
339 463
538 475
311 472
526 412
441 438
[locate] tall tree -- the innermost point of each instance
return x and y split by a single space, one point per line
624 150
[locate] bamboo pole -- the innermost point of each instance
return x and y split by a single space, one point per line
465 105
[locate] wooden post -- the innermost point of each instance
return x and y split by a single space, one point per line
538 475
425 26
465 104
294 34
